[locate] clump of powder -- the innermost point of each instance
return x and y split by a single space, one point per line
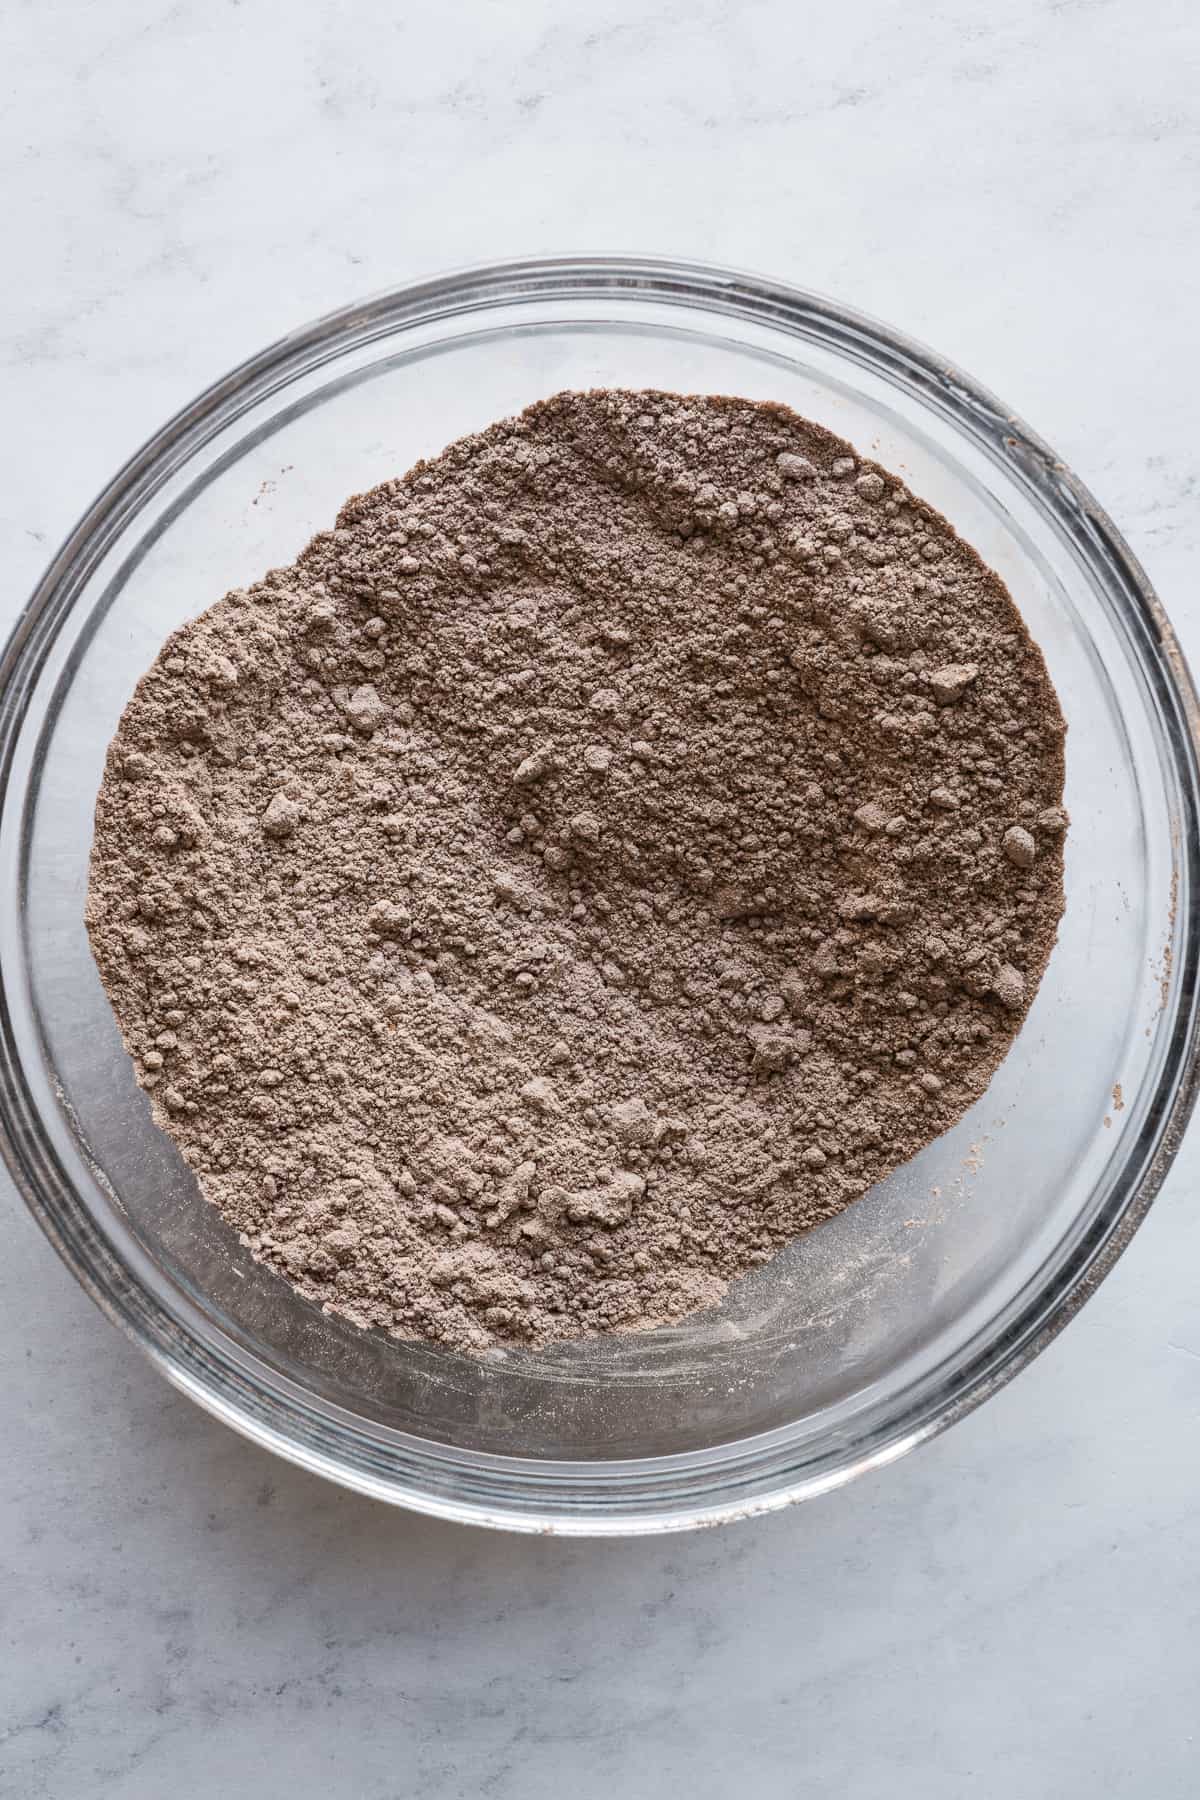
614 847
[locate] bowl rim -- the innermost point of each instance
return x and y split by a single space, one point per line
751 1476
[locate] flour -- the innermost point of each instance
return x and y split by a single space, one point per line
602 857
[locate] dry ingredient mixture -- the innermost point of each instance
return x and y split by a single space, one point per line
601 858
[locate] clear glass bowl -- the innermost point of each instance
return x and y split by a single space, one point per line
868 1335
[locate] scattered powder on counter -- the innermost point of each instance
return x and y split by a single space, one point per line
601 858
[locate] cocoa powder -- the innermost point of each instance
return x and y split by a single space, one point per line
618 844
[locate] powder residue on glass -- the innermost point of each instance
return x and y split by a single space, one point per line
599 859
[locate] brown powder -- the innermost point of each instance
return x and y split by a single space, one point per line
611 850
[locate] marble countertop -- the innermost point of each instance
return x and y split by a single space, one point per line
1016 1608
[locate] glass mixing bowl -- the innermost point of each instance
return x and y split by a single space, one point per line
874 1331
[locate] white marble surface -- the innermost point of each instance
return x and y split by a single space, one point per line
1014 1610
